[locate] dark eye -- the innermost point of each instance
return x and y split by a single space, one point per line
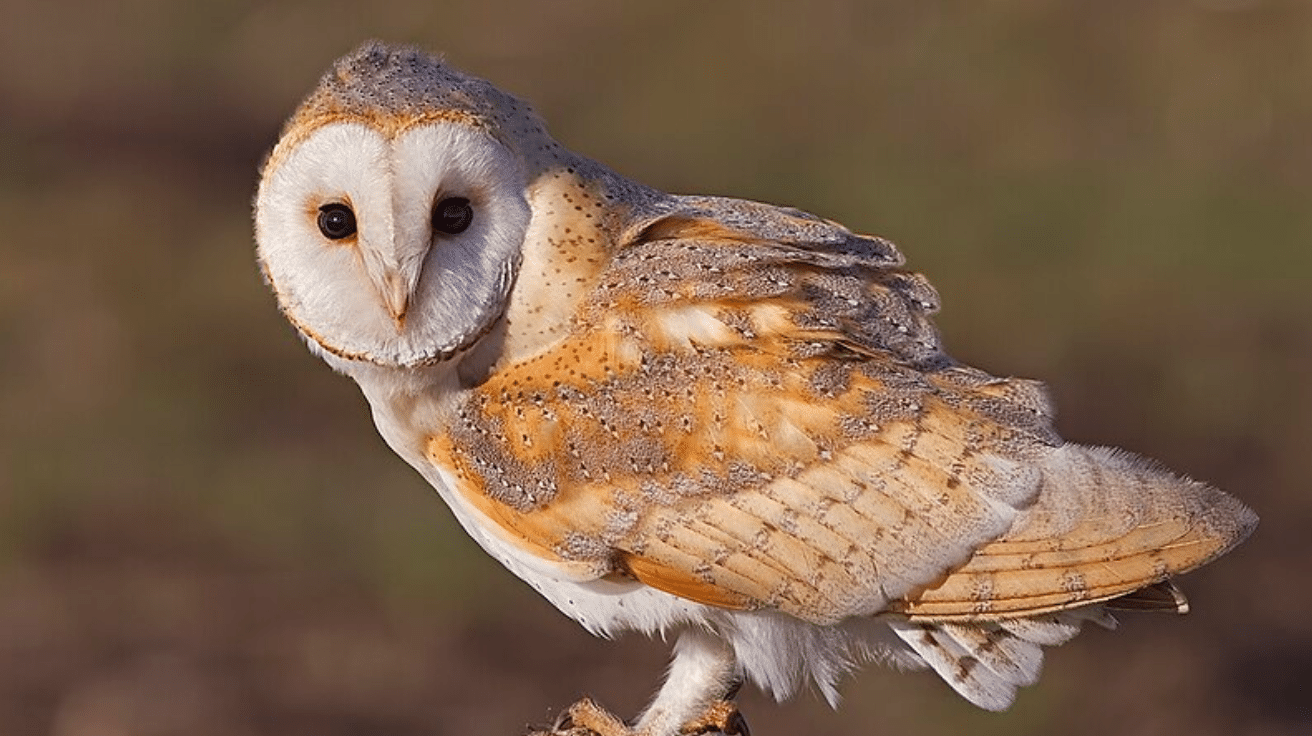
452 215
336 221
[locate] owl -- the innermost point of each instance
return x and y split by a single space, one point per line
725 421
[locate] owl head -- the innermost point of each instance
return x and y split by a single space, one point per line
390 214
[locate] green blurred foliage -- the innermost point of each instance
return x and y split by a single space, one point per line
200 531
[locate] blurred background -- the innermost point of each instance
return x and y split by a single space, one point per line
201 533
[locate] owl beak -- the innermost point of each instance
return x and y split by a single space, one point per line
396 296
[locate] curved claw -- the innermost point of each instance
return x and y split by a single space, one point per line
586 716
722 717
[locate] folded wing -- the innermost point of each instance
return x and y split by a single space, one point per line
754 411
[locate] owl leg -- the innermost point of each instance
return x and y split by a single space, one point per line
695 699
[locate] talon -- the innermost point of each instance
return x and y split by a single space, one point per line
585 716
737 725
563 722
721 717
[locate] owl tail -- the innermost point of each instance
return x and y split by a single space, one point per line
985 662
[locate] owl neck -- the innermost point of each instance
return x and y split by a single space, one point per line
581 212
409 404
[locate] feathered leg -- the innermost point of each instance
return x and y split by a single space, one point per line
695 698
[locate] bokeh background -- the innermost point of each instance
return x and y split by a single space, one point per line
201 534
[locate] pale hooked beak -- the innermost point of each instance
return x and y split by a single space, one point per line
394 280
395 288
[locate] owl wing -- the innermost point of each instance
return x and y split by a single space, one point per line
754 411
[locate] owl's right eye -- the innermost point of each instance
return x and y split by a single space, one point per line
336 221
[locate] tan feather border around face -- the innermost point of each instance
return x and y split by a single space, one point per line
389 125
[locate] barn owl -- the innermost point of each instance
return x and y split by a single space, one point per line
726 421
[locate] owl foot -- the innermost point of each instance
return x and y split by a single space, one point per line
721 717
586 718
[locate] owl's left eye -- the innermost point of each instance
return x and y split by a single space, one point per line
452 215
336 221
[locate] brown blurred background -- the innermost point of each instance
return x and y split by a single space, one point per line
201 534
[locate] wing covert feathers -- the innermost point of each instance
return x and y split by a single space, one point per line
753 410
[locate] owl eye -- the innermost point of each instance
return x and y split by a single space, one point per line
452 215
336 221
